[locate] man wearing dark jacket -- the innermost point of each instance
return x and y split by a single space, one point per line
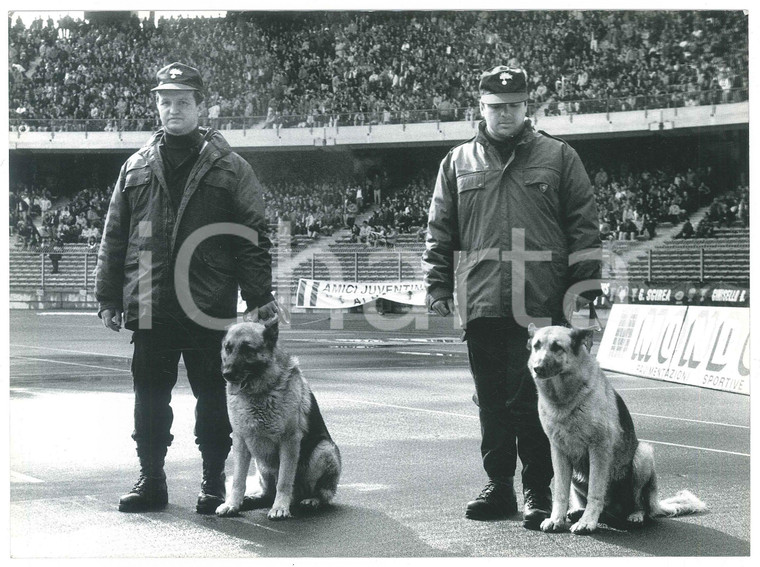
513 223
185 228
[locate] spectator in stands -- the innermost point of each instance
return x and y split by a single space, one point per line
55 254
387 237
687 230
359 198
716 215
376 235
93 244
355 232
364 232
312 226
496 331
23 233
675 213
605 232
226 192
650 226
45 203
705 229
742 212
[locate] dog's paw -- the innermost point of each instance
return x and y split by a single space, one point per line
279 513
582 527
551 525
637 518
227 510
312 503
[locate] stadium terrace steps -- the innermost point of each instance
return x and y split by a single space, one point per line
726 258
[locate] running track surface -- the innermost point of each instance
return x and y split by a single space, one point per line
397 402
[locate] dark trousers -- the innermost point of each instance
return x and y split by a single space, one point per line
154 370
508 402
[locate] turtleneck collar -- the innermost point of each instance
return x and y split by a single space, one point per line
184 141
510 141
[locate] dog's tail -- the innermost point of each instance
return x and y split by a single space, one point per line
679 505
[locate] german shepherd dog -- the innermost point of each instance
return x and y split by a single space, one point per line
276 420
593 443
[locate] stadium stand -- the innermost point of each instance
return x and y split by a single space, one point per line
326 68
723 257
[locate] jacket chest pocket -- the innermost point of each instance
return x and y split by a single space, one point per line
136 185
140 193
215 197
477 210
471 190
471 181
542 186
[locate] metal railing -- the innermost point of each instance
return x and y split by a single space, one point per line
32 270
675 99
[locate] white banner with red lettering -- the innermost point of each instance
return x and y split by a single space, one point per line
700 346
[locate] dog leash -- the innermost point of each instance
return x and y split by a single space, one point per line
595 324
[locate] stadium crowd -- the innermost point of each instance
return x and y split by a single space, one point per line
314 208
631 204
404 210
38 218
310 208
275 69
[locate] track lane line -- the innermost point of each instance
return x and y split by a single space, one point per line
697 448
408 408
17 477
692 420
423 410
70 350
109 368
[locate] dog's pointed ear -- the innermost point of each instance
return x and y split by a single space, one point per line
580 337
271 332
531 331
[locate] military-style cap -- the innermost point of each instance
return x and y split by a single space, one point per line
503 84
179 77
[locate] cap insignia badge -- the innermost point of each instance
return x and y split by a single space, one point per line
173 73
504 77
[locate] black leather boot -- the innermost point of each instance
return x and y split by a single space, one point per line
149 492
213 491
497 500
537 507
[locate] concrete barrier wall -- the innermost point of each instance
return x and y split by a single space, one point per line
569 126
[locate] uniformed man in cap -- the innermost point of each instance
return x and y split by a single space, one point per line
185 228
513 204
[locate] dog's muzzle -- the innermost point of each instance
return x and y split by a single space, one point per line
544 372
234 384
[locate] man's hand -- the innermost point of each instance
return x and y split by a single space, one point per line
444 306
111 319
266 314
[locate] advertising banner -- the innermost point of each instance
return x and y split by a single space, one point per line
324 294
699 346
724 294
